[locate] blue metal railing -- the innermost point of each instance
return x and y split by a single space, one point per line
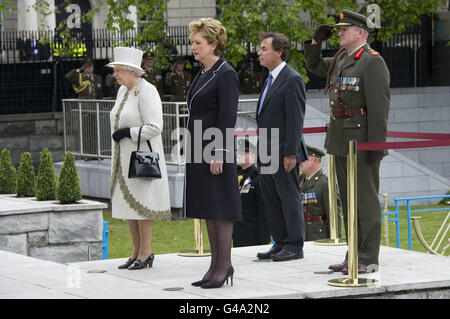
396 220
409 212
105 240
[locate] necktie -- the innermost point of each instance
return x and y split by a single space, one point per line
269 83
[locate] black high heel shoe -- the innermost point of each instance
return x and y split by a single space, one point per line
218 284
127 264
139 264
200 282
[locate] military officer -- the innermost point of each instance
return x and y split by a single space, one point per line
252 229
85 82
314 193
358 86
250 82
112 84
151 74
178 81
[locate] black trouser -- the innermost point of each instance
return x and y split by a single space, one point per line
283 207
368 206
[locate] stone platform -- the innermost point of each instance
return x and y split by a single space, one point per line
403 274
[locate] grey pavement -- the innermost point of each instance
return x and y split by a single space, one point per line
403 274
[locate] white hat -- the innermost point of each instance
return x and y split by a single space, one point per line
128 57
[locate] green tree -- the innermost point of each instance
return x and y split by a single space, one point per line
245 19
68 190
151 26
26 179
8 176
46 179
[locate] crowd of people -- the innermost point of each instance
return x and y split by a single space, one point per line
251 200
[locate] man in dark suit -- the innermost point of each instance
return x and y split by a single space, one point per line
280 115
24 47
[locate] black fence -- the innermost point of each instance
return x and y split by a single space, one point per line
35 83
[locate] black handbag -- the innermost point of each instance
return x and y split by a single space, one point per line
144 164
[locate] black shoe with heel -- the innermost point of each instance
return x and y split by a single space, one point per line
127 264
139 264
218 284
200 282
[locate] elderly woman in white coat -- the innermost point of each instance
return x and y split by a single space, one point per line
139 201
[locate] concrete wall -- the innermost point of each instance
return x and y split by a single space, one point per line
183 12
50 231
32 132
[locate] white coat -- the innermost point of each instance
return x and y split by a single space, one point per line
138 198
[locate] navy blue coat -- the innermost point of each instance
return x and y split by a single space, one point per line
212 101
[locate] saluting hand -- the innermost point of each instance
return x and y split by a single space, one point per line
323 33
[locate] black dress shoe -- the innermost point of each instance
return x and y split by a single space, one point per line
273 250
338 267
284 255
139 264
217 284
128 263
200 282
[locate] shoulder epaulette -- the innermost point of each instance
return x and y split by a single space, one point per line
373 52
359 53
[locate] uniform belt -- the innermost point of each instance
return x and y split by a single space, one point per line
348 112
314 219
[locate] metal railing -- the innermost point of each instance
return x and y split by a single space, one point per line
87 130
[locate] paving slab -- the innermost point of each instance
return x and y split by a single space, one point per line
402 273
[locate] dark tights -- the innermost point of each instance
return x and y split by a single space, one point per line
220 234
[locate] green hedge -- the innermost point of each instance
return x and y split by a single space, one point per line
8 175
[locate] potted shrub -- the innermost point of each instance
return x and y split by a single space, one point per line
26 179
68 190
46 179
8 176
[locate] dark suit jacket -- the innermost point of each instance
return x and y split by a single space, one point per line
284 108
212 100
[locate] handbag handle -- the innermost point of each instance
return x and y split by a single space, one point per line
139 141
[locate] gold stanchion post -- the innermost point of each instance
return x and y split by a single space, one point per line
352 221
386 220
332 199
198 237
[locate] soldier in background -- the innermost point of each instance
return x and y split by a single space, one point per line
85 82
152 75
252 229
249 79
178 81
314 193
112 85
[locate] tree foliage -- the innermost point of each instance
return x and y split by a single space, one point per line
69 189
46 179
8 176
151 25
26 179
245 19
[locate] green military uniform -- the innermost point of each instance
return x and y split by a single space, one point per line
112 84
154 77
358 86
249 82
151 75
87 86
178 84
316 208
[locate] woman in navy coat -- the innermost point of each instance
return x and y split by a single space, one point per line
211 189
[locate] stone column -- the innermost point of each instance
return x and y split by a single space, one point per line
27 18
